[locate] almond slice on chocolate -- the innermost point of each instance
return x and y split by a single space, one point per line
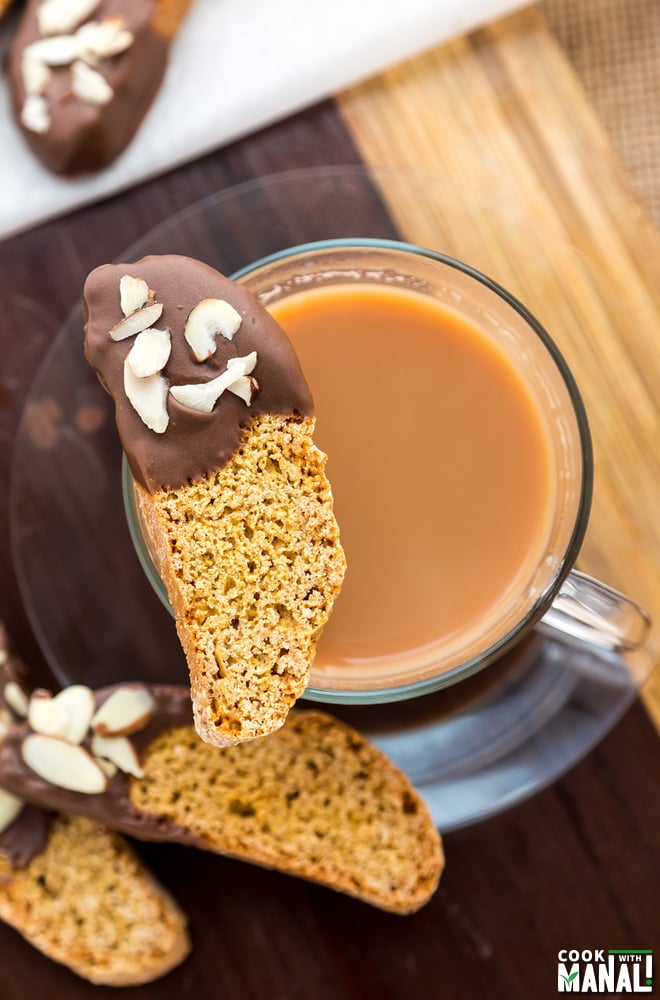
67 715
45 716
35 114
16 698
207 319
125 711
66 765
58 50
133 294
118 750
106 766
78 703
10 807
137 321
245 388
203 396
150 352
89 85
35 74
59 17
148 397
102 39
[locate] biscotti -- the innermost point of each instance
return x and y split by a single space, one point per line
315 799
83 74
86 901
74 889
216 420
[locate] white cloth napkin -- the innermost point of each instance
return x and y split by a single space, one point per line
237 65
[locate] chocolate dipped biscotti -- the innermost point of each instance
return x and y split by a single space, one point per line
76 890
83 73
216 420
314 800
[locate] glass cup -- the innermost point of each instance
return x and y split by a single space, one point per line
553 592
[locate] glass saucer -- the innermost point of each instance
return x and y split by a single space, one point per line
473 749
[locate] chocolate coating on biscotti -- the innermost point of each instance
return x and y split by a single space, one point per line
112 807
195 443
85 137
27 836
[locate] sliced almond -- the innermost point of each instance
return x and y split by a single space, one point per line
58 17
10 807
36 75
246 388
119 751
244 365
102 39
203 396
150 352
58 50
79 704
35 114
148 397
16 698
67 715
106 766
125 711
6 722
133 294
209 318
89 85
46 716
66 765
137 321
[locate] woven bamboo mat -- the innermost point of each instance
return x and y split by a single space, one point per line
533 193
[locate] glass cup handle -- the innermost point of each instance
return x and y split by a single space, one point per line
593 612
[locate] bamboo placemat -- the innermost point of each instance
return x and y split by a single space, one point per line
502 115
614 47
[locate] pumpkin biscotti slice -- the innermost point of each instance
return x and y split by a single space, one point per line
76 890
216 420
314 799
86 900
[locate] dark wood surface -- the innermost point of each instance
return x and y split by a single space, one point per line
577 866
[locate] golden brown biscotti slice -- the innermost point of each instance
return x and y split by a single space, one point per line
314 799
86 901
83 74
231 492
250 559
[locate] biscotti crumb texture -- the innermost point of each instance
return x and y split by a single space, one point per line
251 559
86 901
314 800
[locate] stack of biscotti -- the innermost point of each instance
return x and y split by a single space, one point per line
83 74
77 891
314 799
216 420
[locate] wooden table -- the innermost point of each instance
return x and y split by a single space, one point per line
577 866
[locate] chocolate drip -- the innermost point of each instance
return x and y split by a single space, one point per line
194 443
26 837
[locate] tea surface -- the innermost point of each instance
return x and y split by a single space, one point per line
440 465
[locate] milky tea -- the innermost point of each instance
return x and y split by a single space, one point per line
442 468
